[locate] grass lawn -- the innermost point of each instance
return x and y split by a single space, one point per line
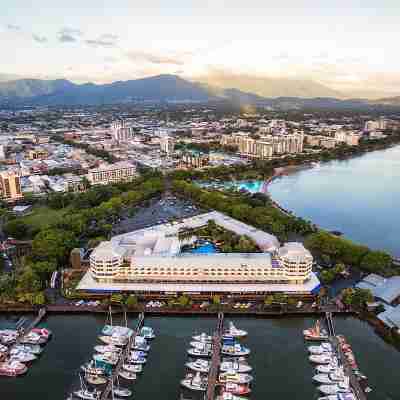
43 216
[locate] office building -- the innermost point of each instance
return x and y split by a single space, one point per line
167 144
121 132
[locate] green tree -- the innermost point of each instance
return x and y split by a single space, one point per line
184 300
117 298
131 301
16 228
268 300
43 269
376 261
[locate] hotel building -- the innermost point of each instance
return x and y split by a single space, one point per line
150 260
112 173
121 132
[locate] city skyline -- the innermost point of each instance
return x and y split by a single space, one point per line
346 47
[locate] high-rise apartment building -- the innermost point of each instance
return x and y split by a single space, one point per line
10 185
121 132
266 146
167 144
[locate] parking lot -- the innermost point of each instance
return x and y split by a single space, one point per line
165 210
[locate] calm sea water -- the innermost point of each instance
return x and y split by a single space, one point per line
359 197
279 358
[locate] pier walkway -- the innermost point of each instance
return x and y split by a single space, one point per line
124 355
354 382
215 358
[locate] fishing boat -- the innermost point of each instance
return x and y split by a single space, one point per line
110 348
320 359
85 394
233 331
316 333
140 343
236 388
195 382
235 377
237 366
129 375
147 332
12 368
199 365
136 368
203 337
235 350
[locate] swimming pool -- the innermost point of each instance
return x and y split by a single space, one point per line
250 186
207 248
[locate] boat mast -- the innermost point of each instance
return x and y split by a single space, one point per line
126 321
111 321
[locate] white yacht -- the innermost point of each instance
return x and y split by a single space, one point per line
136 368
110 348
140 343
203 337
232 331
85 394
235 350
195 382
199 365
237 366
147 332
322 349
326 369
324 379
128 375
320 359
232 376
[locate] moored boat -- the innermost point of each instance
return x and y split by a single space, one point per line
199 365
237 366
236 388
12 368
114 340
235 350
128 375
320 359
316 333
95 379
136 368
235 377
234 332
195 382
203 337
147 332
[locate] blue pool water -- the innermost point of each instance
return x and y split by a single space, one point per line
204 249
250 186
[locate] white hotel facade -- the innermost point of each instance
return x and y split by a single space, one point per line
150 260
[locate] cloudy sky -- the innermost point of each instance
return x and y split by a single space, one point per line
348 45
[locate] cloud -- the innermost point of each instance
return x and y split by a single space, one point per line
38 38
12 27
154 58
69 35
106 40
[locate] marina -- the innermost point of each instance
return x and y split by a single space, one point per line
277 374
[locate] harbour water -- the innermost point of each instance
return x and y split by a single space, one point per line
358 197
279 358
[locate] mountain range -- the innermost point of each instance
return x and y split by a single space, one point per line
172 88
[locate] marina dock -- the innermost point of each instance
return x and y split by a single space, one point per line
124 355
354 382
215 359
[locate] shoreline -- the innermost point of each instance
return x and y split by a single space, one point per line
290 170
